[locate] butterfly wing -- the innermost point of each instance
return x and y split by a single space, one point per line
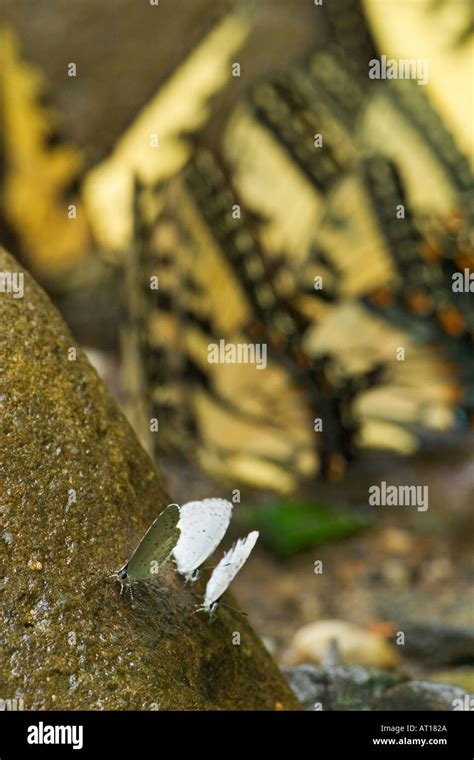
40 171
442 33
203 525
237 426
155 546
230 564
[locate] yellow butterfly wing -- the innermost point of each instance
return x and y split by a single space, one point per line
43 216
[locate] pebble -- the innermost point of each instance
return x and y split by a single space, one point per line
395 541
355 645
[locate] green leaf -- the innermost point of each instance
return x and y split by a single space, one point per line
290 527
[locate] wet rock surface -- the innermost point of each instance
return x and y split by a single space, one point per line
339 687
76 494
423 695
439 629
439 644
357 688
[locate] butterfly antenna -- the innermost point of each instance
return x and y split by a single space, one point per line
213 567
234 609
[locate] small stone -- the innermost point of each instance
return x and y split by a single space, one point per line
395 572
439 569
355 645
395 541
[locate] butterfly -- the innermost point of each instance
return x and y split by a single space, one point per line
153 550
225 572
202 525
284 236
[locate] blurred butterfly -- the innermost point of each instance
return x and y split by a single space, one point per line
42 218
202 525
289 238
225 572
153 550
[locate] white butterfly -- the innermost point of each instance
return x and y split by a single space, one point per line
202 525
224 573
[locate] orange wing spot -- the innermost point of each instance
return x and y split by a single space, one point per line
381 297
256 330
431 249
418 302
451 321
465 260
382 628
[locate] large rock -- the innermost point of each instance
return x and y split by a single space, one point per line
76 493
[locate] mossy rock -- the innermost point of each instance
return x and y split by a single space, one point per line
69 639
